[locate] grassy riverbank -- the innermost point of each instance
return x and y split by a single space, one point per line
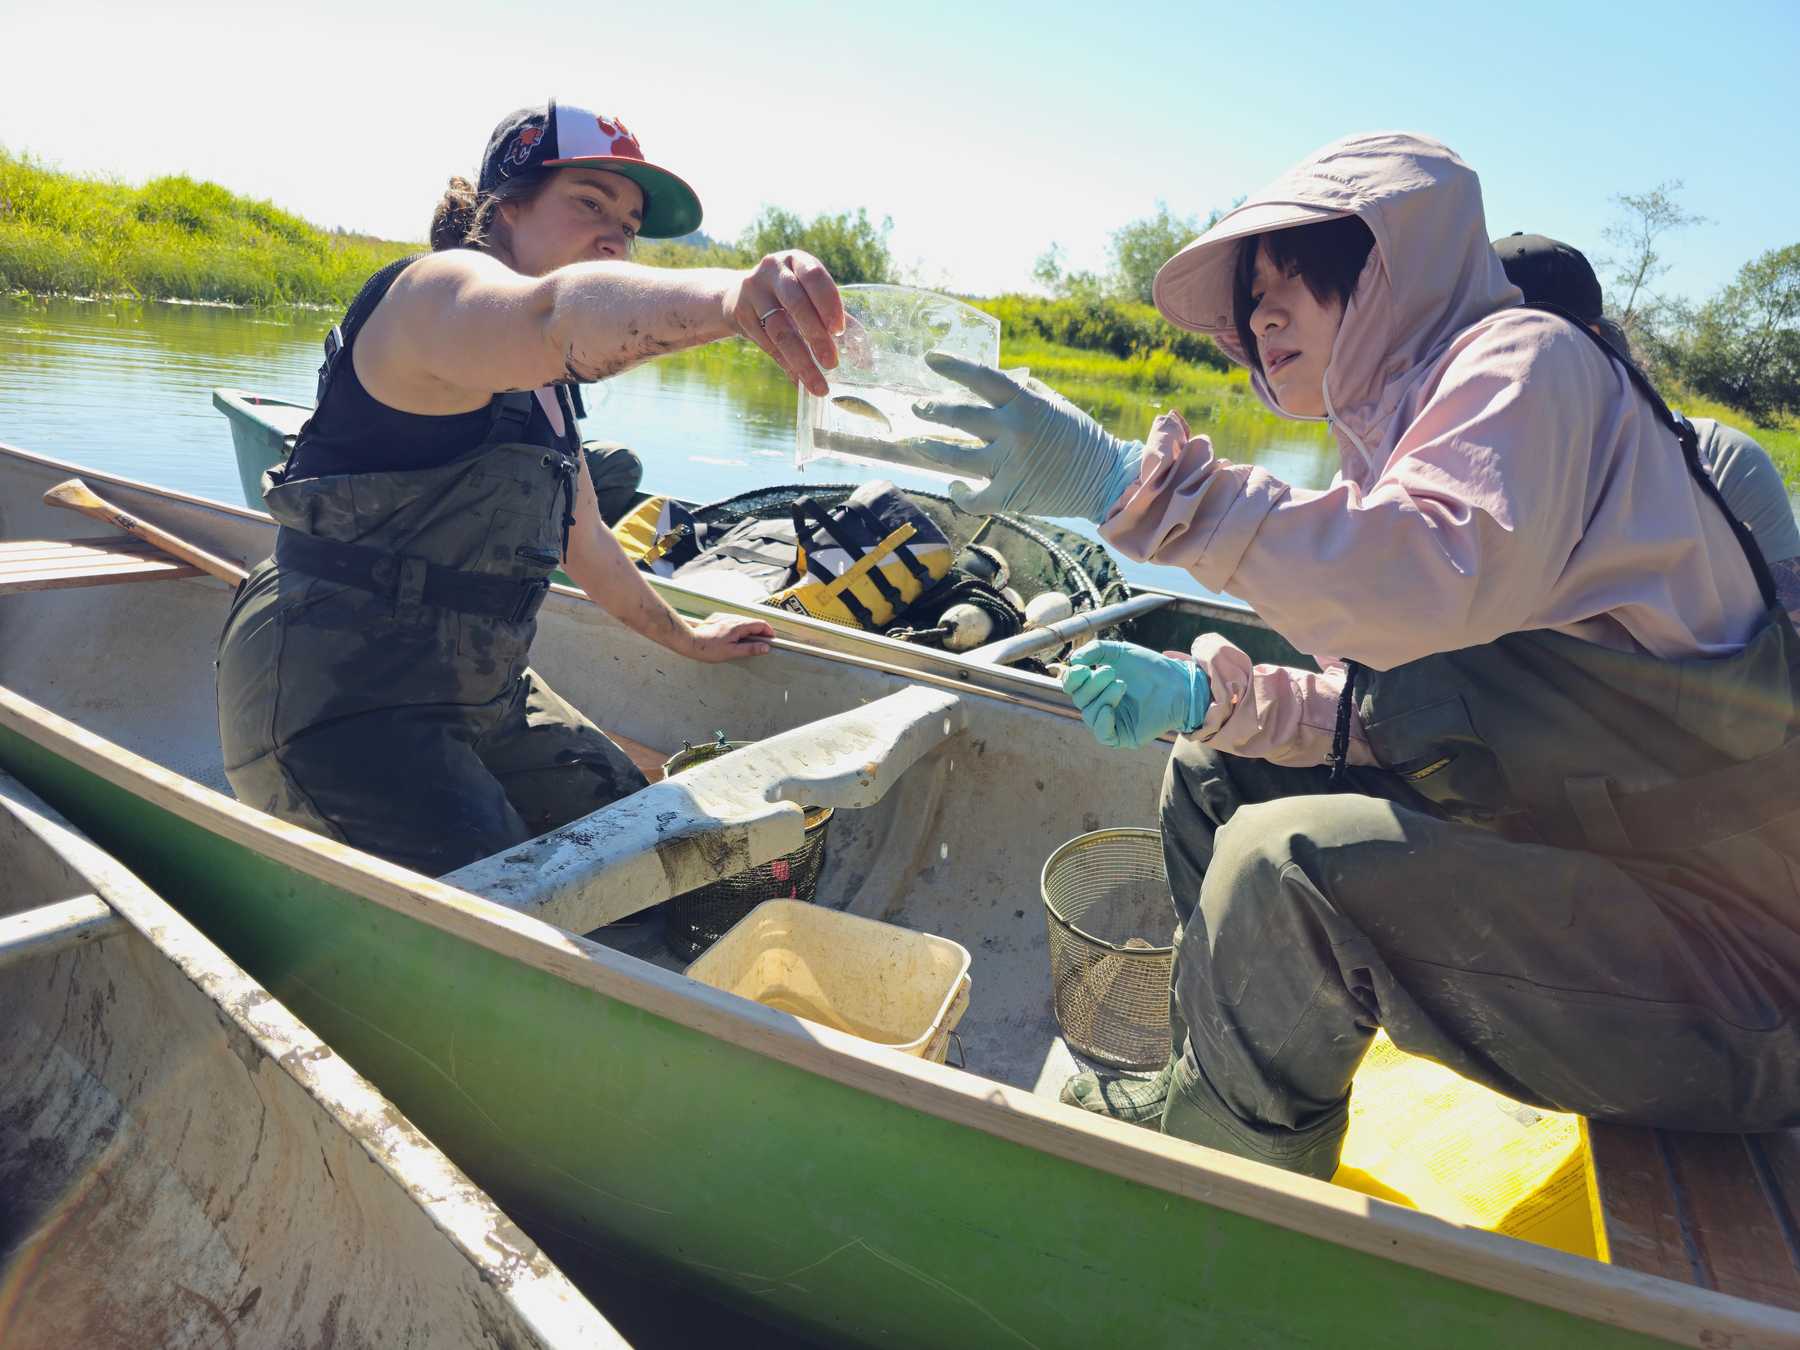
1782 442
1127 392
171 239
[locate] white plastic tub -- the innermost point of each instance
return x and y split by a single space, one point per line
887 984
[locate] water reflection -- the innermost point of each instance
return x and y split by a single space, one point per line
125 386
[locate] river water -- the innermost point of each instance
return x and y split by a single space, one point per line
126 387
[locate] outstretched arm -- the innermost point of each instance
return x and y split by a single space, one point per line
460 326
1459 539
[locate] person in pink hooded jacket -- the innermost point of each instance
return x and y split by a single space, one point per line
1537 812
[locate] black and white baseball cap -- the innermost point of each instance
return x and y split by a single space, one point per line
558 136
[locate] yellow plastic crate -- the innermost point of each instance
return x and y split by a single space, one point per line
1423 1136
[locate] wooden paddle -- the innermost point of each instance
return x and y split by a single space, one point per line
78 496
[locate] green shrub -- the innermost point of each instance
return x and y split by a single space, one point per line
702 252
853 248
1100 323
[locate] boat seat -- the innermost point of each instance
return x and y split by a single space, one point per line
1718 1211
51 564
716 819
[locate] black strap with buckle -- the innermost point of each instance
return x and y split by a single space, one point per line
514 599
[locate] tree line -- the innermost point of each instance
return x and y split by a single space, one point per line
853 248
1740 346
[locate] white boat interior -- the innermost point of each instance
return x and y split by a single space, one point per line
954 845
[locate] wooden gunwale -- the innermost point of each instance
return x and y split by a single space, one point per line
1627 1300
816 633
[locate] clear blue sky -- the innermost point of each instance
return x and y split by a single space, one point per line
986 131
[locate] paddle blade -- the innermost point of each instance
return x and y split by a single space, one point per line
76 495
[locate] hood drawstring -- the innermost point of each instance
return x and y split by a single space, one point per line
1340 733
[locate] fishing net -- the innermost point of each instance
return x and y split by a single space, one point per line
1106 903
693 921
1042 556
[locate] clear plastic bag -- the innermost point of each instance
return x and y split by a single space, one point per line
866 416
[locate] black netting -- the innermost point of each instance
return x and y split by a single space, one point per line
695 920
1042 556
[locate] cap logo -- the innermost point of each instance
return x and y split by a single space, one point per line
623 143
518 153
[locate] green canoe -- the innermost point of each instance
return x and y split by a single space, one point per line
624 1113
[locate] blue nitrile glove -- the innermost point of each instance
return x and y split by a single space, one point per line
1130 695
1043 456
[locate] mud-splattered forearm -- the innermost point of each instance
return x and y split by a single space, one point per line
461 323
608 317
585 367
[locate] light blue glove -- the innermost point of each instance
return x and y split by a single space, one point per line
1043 456
1130 695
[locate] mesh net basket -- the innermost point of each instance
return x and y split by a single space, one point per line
1106 902
693 921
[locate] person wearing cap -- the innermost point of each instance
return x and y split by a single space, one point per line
373 677
1549 271
1538 807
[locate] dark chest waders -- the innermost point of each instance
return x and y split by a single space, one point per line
373 678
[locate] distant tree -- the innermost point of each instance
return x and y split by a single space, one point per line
853 248
1088 287
1143 246
1742 347
1636 263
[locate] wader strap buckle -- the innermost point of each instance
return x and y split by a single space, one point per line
334 345
409 581
409 587
531 599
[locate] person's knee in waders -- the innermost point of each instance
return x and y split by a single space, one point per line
616 472
1486 841
442 479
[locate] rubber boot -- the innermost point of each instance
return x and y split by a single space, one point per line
1126 1097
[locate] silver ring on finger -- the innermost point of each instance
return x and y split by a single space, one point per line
762 320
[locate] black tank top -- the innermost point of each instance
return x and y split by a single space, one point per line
352 431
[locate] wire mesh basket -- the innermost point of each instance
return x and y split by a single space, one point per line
1106 903
693 921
